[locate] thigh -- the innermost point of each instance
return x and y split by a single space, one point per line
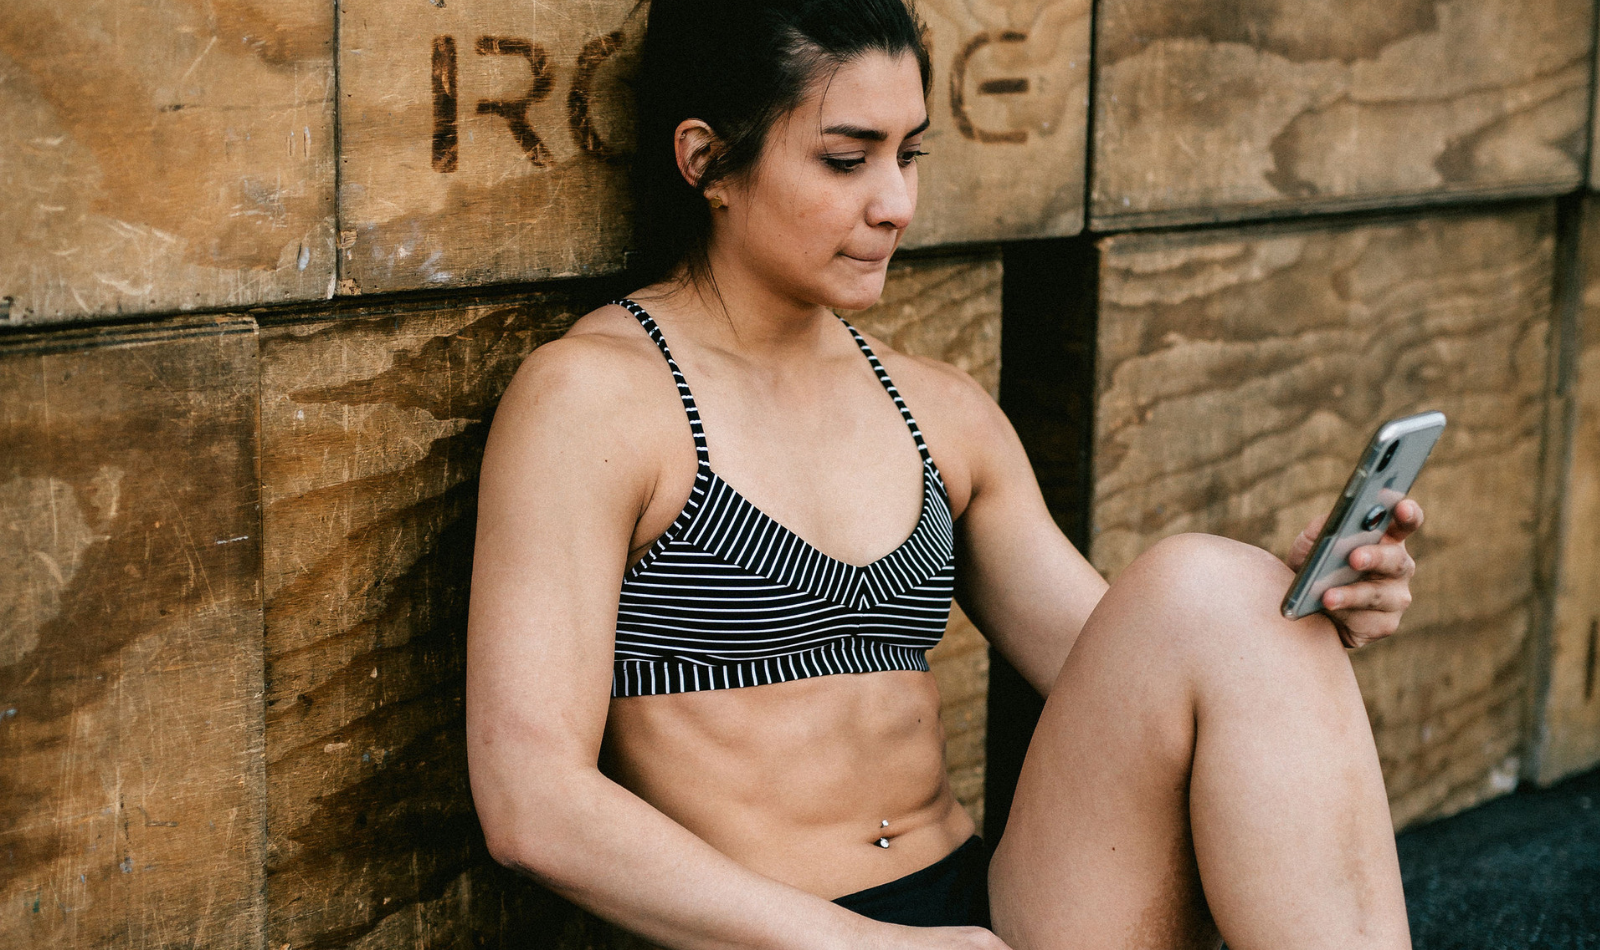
1185 652
1097 849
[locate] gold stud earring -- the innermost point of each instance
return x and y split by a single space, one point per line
716 202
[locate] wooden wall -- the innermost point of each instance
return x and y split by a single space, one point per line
237 542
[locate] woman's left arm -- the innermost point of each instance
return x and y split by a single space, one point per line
1019 579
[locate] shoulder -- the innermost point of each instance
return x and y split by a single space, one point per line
958 417
602 385
603 363
934 387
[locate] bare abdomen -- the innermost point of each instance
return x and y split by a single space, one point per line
794 780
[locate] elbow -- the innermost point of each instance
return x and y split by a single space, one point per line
507 851
530 857
534 835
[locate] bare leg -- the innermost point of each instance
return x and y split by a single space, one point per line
1200 758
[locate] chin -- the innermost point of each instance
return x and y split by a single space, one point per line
858 295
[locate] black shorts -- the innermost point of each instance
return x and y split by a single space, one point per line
951 892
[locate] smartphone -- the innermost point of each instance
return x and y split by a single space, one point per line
1360 517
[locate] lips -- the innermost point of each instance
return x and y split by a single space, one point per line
866 260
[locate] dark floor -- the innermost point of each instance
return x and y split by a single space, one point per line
1522 871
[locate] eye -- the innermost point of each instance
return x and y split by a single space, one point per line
843 164
907 158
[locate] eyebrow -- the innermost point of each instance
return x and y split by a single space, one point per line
871 135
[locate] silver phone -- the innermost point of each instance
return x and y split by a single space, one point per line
1361 516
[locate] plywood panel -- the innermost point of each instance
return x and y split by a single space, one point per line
130 629
483 141
164 156
1215 111
487 141
1239 374
948 308
373 425
1010 107
1570 740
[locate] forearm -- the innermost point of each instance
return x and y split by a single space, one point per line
615 855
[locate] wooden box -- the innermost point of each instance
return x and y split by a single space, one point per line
1010 107
482 141
1228 110
1240 372
131 781
164 156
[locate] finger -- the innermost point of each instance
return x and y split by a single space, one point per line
1381 596
1407 519
1301 548
1383 560
1366 627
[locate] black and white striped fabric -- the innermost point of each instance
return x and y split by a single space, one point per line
728 597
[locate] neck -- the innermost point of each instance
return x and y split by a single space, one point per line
747 316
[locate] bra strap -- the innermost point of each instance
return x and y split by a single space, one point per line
689 408
888 384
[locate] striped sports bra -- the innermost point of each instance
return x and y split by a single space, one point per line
728 597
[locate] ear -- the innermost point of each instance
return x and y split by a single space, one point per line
695 144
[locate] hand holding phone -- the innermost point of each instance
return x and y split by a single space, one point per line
1382 477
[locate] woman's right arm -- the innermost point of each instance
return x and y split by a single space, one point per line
563 482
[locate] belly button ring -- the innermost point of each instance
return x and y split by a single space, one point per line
883 842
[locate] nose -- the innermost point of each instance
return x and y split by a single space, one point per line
894 198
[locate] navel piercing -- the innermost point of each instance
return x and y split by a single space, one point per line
883 842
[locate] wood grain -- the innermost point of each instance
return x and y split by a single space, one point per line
483 141
164 156
373 425
131 794
1570 739
1220 111
948 308
487 141
1010 107
1241 371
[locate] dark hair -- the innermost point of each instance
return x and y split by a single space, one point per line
737 65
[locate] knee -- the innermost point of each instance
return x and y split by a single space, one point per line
1207 575
1201 594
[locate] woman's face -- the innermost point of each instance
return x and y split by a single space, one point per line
834 190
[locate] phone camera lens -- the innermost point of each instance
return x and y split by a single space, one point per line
1374 517
1388 456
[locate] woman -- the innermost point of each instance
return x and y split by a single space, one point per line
742 748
